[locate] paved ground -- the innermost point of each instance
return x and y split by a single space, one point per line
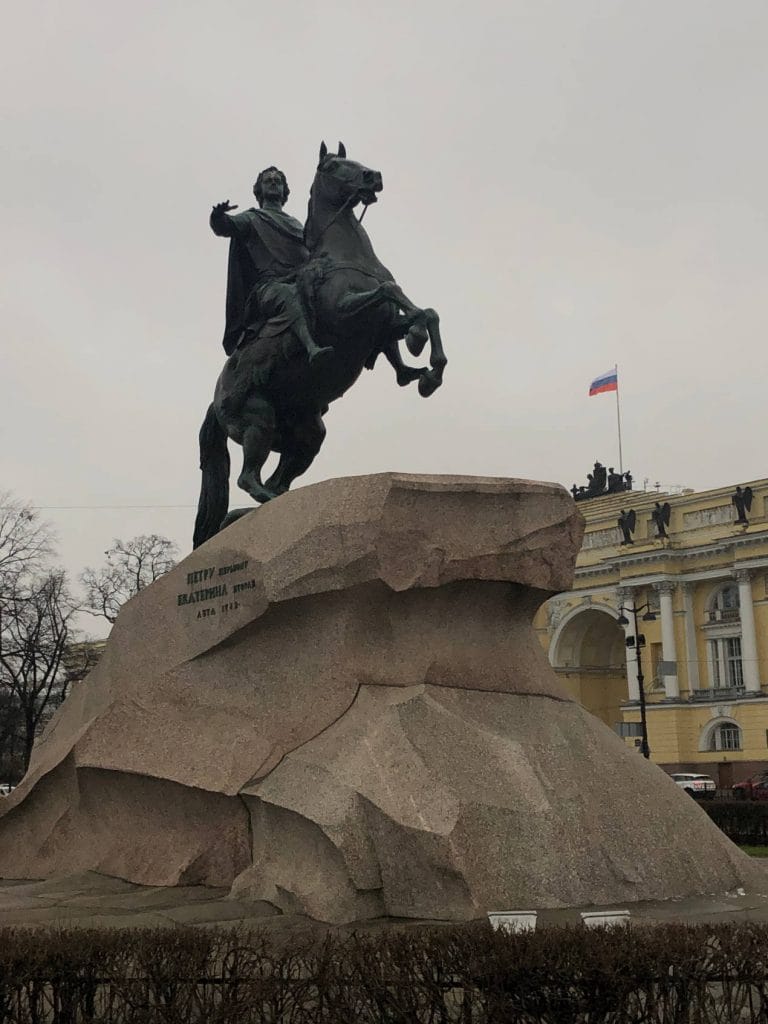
91 900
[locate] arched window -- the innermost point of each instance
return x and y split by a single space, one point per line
723 630
727 599
723 605
726 736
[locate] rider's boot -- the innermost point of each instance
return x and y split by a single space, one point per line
317 356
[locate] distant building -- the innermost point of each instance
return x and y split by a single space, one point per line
705 659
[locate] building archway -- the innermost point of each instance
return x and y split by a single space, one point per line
588 654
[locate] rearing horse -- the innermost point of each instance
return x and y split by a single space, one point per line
268 396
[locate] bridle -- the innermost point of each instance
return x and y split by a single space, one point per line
341 209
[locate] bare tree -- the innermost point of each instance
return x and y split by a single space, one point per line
131 566
35 628
11 728
26 546
26 542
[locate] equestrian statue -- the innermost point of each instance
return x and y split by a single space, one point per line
307 309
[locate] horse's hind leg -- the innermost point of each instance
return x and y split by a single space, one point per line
258 433
301 441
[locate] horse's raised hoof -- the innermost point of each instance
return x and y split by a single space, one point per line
429 383
321 356
416 338
408 374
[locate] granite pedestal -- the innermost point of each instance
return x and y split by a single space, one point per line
338 707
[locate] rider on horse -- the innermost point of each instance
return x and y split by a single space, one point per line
269 396
266 249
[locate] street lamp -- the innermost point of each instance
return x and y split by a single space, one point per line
638 642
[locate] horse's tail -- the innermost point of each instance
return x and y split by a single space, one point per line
214 489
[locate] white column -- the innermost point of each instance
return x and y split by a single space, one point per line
668 648
749 664
691 649
624 597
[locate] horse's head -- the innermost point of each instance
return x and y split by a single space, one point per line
344 183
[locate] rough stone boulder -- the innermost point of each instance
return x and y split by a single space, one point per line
338 706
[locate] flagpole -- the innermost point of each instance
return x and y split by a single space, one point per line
618 418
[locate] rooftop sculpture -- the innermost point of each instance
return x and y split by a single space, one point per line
661 516
742 501
601 482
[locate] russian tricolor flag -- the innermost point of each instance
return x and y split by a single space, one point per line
605 382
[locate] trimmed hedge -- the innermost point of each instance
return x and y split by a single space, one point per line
463 974
743 821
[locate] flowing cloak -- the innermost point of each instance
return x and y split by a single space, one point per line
265 244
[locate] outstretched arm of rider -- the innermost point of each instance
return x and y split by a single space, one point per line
222 223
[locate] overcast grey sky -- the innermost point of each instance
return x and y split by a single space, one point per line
571 183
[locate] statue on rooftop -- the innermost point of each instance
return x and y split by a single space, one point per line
626 523
600 482
615 481
598 478
661 516
742 499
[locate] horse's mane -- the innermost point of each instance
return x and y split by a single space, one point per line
313 186
310 211
311 205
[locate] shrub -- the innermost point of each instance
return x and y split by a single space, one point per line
466 974
743 821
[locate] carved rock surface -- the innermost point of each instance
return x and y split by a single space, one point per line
338 706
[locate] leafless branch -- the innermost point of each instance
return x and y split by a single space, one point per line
26 541
131 565
35 629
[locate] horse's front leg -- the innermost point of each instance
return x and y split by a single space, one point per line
355 302
425 324
390 346
433 378
405 374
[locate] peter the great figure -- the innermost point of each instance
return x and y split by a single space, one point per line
267 246
307 310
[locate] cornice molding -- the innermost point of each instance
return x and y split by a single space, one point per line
694 705
620 560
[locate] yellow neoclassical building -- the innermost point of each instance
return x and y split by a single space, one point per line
700 598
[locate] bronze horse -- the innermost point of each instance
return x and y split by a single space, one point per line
269 397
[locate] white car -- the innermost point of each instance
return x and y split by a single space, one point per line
697 785
6 788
